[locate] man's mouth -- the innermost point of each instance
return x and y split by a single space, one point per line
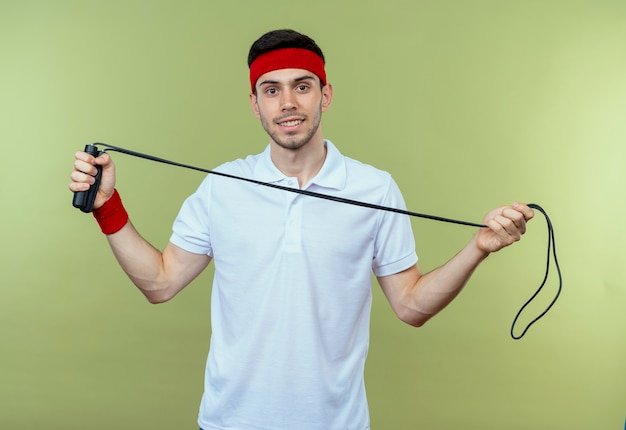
291 123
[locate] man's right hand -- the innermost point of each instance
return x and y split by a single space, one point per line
84 171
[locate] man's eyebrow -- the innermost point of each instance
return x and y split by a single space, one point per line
295 80
304 78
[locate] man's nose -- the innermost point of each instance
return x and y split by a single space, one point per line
288 101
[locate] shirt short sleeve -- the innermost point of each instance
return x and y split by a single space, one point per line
191 227
395 244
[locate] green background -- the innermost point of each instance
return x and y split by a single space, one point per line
469 104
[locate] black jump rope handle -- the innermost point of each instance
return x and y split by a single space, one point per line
84 200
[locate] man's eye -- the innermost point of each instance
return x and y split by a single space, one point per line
270 91
302 87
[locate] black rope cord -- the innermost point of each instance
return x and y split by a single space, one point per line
551 251
551 241
292 190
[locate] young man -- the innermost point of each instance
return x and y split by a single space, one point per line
291 295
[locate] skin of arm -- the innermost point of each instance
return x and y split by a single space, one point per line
417 297
158 275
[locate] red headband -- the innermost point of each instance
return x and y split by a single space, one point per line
287 58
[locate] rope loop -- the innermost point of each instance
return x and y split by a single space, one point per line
551 252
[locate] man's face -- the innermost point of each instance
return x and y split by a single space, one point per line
289 103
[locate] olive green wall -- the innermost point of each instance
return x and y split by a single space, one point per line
469 104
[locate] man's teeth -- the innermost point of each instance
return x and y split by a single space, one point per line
291 123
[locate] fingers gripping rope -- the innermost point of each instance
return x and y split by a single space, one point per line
551 242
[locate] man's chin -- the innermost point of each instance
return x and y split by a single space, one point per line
291 145
291 142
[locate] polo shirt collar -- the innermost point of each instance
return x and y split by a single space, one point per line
331 175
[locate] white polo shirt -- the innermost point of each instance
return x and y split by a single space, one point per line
291 298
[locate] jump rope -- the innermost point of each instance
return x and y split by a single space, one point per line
84 201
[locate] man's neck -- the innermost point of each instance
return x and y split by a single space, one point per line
302 163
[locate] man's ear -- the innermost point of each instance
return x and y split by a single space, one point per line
255 106
327 97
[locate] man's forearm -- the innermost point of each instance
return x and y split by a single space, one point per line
436 289
158 275
140 261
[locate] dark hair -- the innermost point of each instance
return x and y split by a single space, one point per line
278 39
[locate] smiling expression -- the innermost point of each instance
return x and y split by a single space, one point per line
289 103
